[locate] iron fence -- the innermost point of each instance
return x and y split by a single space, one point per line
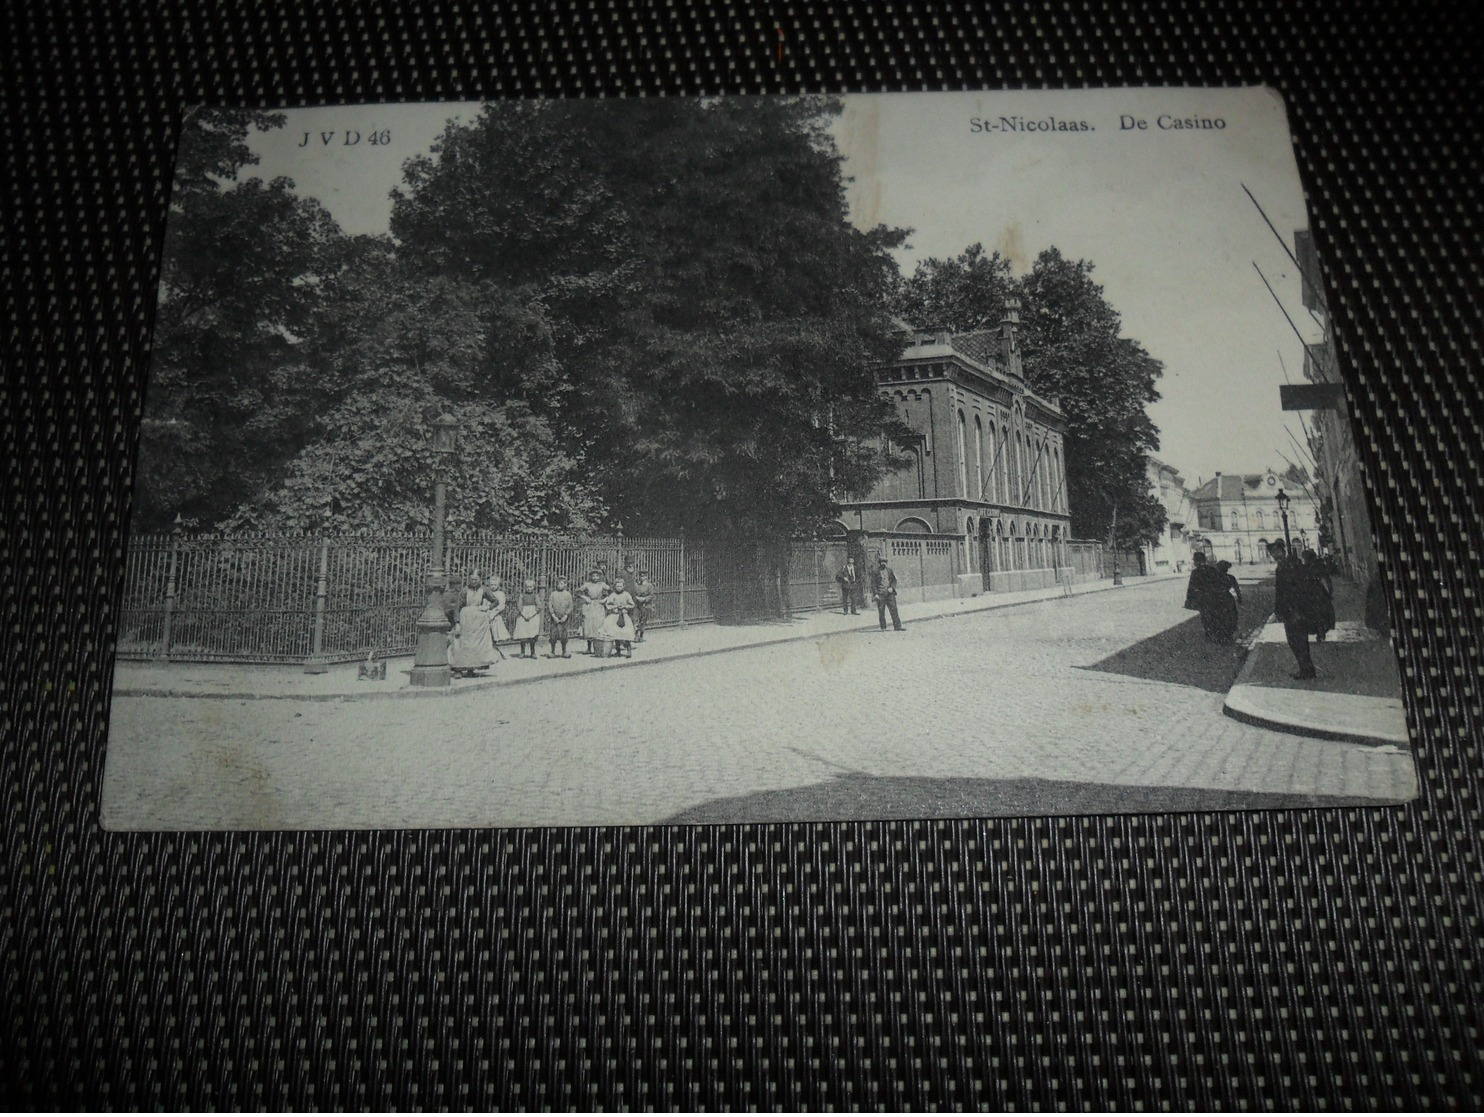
259 598
286 598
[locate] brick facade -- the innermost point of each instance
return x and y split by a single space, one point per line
988 465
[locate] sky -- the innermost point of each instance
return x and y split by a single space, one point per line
1160 211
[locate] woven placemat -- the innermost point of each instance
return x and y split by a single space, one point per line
1303 958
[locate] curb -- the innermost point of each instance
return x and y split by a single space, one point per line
1244 703
664 657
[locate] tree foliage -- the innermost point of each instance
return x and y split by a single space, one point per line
654 311
240 284
713 315
392 351
1072 349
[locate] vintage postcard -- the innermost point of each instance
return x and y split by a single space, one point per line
693 461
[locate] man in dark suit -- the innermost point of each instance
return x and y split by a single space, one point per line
884 586
1293 602
850 580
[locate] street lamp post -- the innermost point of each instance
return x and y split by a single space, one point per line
430 663
1283 511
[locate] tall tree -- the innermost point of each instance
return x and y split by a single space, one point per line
714 315
964 293
1072 348
239 283
391 351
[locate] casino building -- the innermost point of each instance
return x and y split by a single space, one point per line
983 504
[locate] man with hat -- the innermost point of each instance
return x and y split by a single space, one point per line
1293 602
884 586
850 581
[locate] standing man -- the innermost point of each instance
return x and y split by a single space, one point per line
884 586
1204 593
1293 602
642 590
850 582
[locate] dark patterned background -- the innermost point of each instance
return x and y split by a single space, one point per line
1300 958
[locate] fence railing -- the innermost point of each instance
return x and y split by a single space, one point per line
292 598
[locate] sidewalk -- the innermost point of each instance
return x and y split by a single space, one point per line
1356 697
239 681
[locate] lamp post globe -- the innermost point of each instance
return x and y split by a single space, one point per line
430 662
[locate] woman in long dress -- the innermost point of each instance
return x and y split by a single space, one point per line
528 619
618 621
1224 611
592 593
472 649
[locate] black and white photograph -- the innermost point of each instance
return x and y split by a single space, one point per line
672 461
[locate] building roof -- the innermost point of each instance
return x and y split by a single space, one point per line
979 345
1228 486
1239 486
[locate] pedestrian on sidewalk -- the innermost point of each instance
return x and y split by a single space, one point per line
850 584
1324 596
591 596
559 610
643 591
618 623
472 649
1204 591
528 619
884 587
1294 595
1225 612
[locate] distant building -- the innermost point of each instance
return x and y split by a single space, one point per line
1237 515
1170 554
987 480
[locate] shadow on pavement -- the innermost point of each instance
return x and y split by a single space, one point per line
1181 655
857 796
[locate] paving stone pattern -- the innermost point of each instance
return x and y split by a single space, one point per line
911 722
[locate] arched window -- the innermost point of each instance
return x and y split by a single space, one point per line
915 525
989 463
978 458
1260 524
1231 520
963 456
1002 470
909 482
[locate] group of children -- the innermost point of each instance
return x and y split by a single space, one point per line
610 617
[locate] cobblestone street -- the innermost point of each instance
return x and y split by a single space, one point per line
1109 702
